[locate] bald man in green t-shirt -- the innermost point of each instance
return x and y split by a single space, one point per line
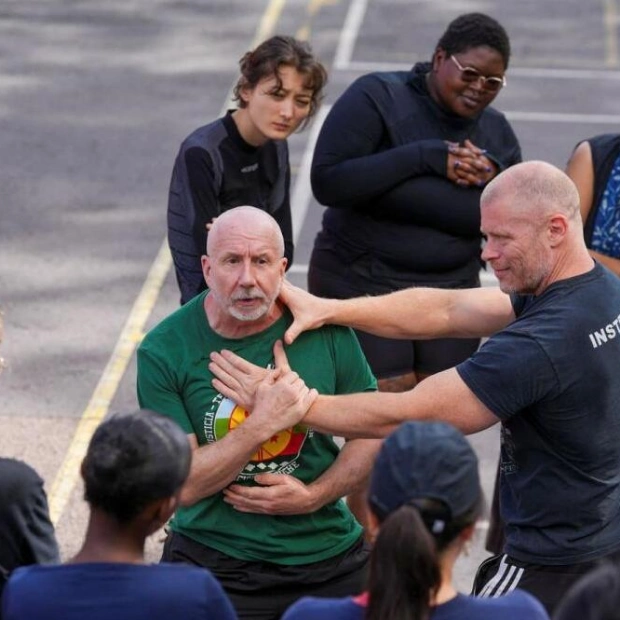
262 507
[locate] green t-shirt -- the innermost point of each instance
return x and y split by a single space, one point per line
174 379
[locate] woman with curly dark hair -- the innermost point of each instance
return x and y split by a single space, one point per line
242 158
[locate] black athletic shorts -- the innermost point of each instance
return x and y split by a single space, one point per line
264 590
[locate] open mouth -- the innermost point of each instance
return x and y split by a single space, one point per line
248 301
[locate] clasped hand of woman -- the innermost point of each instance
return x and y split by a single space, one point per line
468 165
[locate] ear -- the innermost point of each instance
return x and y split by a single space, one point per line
467 533
439 57
205 262
167 508
245 92
372 524
283 264
557 229
158 513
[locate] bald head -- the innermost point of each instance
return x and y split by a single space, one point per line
244 270
535 187
245 220
531 220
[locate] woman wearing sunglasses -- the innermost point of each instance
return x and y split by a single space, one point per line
400 162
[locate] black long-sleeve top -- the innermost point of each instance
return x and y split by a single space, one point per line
380 167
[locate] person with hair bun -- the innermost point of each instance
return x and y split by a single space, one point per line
133 472
242 158
424 500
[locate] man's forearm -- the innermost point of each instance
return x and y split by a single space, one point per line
363 415
410 313
348 473
216 465
424 313
443 397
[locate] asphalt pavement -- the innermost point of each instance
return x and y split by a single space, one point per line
96 98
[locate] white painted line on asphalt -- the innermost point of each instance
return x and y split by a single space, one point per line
555 117
610 21
349 32
268 21
302 192
131 335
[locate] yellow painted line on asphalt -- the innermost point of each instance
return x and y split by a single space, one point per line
314 6
269 20
131 335
105 391
610 19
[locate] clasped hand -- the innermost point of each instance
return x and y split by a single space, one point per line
468 165
276 398
276 494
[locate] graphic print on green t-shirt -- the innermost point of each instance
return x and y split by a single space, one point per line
277 455
174 379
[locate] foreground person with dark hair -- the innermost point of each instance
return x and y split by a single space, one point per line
424 500
133 472
596 596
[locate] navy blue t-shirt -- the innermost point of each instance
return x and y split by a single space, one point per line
517 605
551 376
105 591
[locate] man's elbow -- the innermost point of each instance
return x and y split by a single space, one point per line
188 496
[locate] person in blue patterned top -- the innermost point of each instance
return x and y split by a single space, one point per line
594 167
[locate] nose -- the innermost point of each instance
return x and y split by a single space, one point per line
488 252
247 277
479 84
286 109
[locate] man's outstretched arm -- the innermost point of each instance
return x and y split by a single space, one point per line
413 313
443 396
